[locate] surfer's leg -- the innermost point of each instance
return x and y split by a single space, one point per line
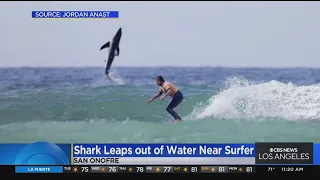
175 101
173 113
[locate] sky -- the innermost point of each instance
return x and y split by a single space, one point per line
230 34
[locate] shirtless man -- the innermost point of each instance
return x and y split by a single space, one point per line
169 90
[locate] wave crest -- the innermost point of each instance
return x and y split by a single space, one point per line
241 98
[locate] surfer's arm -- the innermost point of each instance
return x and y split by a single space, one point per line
155 97
169 91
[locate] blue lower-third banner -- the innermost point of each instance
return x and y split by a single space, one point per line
75 14
45 153
38 153
163 154
163 150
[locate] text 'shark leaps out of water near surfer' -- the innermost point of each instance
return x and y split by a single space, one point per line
114 50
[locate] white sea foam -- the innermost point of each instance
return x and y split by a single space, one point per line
243 99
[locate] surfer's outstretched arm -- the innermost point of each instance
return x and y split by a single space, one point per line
155 97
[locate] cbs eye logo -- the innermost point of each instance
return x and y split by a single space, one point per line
42 153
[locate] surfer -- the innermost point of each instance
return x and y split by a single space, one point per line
169 90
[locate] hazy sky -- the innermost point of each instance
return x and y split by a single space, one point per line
272 34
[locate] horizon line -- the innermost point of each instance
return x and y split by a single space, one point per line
165 66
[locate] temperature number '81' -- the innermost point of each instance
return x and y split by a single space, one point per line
248 169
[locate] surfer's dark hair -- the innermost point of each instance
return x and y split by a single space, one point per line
160 78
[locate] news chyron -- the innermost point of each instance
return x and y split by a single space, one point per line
46 157
163 154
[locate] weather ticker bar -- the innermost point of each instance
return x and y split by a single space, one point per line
159 169
214 169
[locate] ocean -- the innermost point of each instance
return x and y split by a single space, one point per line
221 105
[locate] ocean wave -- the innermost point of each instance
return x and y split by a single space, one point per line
241 98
